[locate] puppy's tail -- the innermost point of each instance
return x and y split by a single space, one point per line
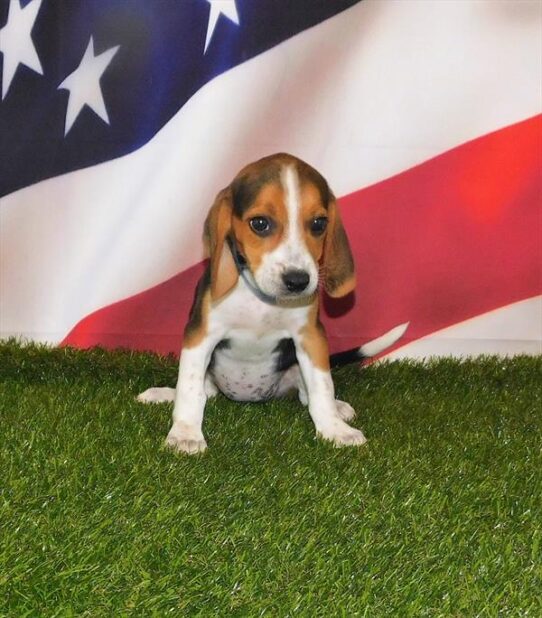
369 349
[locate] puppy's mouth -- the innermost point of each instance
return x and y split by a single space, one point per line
278 293
296 293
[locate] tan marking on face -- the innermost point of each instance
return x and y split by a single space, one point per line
269 203
314 341
311 208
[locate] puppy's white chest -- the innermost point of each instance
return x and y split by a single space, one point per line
242 314
245 315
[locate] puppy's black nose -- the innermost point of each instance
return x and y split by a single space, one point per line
295 280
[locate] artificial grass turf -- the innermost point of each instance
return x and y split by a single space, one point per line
438 515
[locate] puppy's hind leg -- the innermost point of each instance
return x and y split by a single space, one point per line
165 394
210 387
157 394
292 381
345 410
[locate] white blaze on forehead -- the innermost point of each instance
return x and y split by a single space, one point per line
290 183
291 253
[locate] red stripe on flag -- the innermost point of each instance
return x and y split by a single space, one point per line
450 239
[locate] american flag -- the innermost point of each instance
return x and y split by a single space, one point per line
121 119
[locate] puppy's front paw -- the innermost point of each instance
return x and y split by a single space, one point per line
342 434
345 410
186 439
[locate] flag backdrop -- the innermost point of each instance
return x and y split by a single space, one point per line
121 119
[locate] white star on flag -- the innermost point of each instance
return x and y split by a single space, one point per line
84 85
227 8
16 41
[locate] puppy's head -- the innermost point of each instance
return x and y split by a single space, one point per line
285 223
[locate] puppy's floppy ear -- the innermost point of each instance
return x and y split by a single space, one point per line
339 275
224 273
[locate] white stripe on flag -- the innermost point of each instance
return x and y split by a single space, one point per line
514 329
375 90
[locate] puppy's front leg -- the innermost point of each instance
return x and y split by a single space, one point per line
313 357
186 434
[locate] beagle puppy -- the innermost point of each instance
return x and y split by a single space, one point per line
273 235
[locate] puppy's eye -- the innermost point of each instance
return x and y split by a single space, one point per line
318 225
261 225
